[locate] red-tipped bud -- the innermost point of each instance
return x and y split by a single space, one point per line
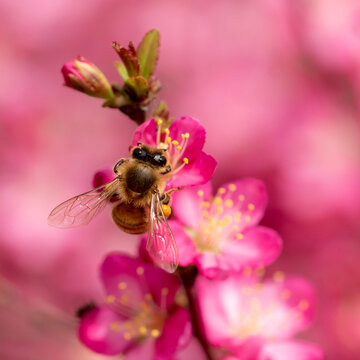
82 75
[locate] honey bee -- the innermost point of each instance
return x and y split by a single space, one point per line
139 198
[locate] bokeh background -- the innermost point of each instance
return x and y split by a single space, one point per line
275 82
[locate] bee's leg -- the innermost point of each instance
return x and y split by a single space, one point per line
165 197
167 170
118 164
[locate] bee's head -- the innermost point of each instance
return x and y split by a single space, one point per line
149 155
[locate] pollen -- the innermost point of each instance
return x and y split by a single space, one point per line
166 209
185 136
175 142
142 330
114 327
241 197
232 187
168 139
148 297
178 147
237 215
186 160
279 276
140 270
236 228
221 190
303 305
247 218
218 200
200 193
229 203
110 299
124 299
219 209
239 236
166 131
251 207
205 204
127 336
122 285
205 214
159 122
155 333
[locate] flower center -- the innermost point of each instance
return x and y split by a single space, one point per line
144 317
175 147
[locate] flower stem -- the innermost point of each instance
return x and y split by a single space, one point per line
188 276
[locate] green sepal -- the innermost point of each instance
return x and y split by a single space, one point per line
148 52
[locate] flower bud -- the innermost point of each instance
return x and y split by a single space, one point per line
82 75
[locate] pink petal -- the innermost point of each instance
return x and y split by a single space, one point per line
138 278
103 176
186 247
176 333
212 265
259 246
145 133
294 350
186 204
197 172
102 330
247 198
196 131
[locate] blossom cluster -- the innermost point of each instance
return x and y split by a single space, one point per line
219 295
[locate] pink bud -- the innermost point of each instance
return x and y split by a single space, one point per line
82 75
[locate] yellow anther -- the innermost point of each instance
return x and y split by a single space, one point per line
186 135
227 219
114 327
175 142
155 333
238 215
218 200
164 291
140 270
303 305
166 131
124 299
247 218
122 285
241 197
260 272
205 204
219 209
127 336
128 325
205 214
251 207
148 297
186 160
279 276
285 294
168 139
178 147
232 187
200 193
235 228
159 122
229 203
110 299
221 190
166 209
239 236
142 330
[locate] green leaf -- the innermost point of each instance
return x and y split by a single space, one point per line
122 70
148 52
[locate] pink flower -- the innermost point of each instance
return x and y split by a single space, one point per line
184 140
139 309
254 320
82 75
219 234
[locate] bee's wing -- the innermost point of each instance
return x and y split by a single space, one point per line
160 242
81 209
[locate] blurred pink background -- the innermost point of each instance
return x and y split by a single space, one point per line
275 82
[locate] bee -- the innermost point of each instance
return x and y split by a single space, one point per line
139 201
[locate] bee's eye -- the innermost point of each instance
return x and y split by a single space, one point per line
158 160
139 153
